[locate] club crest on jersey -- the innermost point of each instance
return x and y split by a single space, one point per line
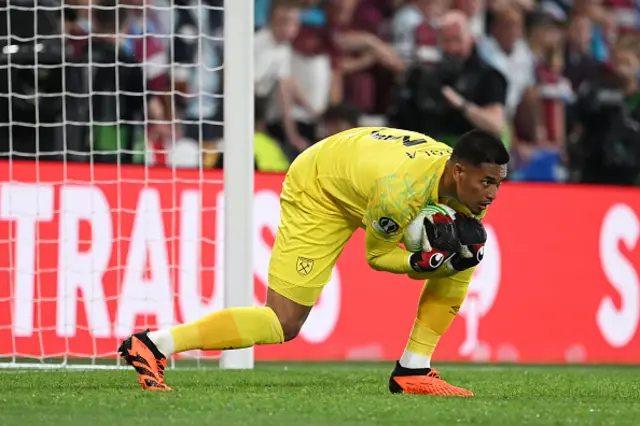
385 225
304 265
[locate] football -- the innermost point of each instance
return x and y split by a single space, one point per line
415 234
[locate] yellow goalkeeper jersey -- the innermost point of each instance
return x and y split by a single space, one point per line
380 176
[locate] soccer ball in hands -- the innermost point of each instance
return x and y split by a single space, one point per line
432 238
436 236
415 235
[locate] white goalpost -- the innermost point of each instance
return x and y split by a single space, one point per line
112 215
238 128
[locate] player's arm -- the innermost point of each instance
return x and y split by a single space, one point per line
391 206
387 255
384 254
387 213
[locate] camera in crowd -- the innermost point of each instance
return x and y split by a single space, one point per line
419 104
607 148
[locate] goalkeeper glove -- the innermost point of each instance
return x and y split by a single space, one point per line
440 241
473 237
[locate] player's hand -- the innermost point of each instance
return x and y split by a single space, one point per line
440 242
473 237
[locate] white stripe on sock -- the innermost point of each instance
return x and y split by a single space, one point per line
413 360
163 341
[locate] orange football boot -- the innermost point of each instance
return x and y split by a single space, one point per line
139 352
423 381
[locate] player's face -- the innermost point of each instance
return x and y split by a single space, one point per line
478 186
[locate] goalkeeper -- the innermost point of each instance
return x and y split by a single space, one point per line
379 179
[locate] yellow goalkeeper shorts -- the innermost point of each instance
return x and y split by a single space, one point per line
309 240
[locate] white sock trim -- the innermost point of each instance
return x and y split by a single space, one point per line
163 341
413 360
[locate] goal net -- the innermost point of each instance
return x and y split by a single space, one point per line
111 192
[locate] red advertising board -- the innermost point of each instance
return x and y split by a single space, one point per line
88 255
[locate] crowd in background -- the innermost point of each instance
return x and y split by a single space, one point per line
556 79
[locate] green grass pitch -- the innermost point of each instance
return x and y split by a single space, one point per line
323 394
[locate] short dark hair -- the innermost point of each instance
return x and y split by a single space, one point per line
477 147
343 112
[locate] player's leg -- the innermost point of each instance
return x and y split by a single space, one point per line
439 303
291 315
305 251
231 328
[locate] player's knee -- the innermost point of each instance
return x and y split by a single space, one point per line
290 314
291 328
291 323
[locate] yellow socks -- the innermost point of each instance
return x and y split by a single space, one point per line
439 303
232 328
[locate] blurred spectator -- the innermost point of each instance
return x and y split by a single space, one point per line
539 118
540 122
363 63
607 147
506 50
554 89
373 16
579 64
312 13
261 13
117 86
311 79
475 13
268 154
414 30
460 93
83 18
146 42
625 14
339 118
197 62
311 72
272 51
76 36
527 5
599 40
560 95
32 106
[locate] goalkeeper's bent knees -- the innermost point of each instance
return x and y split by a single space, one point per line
291 315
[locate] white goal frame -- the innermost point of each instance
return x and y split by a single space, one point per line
238 165
238 98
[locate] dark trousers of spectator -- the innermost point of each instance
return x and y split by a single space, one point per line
594 172
30 142
306 130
